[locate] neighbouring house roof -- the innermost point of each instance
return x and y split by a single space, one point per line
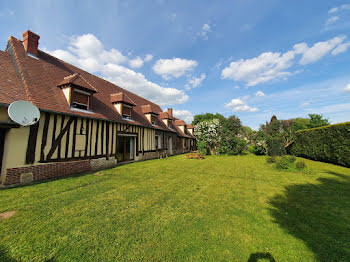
36 79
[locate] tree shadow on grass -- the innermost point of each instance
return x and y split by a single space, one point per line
318 214
4 255
256 257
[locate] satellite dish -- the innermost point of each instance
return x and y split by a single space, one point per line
23 113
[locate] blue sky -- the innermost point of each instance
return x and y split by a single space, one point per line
252 59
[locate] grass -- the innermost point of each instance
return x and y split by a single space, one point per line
219 209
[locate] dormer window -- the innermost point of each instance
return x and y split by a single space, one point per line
80 99
190 128
123 104
167 119
77 91
150 112
181 124
170 123
154 119
126 111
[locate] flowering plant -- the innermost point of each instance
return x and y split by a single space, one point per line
208 132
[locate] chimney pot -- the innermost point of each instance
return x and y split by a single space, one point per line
170 112
31 42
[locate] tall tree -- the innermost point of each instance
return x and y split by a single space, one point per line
206 117
318 120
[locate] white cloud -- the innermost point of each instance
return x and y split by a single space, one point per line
260 69
347 88
339 8
195 82
175 67
345 107
185 115
333 10
136 63
270 66
206 27
148 57
137 83
139 62
341 48
87 52
259 93
320 49
332 20
204 32
238 105
236 86
305 104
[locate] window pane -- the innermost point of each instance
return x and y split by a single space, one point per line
80 98
126 111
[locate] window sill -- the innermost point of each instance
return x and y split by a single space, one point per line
128 119
81 110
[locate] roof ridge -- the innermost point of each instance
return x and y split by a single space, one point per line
87 81
130 98
72 75
20 69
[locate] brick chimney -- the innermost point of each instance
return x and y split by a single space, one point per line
170 112
31 42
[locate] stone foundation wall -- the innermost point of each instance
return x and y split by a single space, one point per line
148 155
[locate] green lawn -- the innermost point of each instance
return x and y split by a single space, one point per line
218 209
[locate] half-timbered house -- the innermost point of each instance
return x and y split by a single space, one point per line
86 122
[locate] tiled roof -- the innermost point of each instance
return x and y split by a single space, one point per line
122 98
189 126
180 122
11 87
36 80
78 80
147 109
164 115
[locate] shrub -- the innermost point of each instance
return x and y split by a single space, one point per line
300 165
271 159
257 150
290 159
275 146
202 147
328 144
283 163
232 145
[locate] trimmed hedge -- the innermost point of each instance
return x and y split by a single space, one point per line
275 146
328 144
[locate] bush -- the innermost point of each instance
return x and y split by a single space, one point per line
271 159
232 145
290 159
275 146
328 144
300 165
257 150
202 147
283 163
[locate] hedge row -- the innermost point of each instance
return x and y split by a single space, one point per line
328 144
